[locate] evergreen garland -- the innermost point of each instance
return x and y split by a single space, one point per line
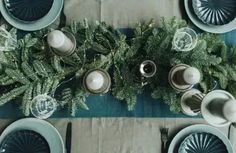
28 67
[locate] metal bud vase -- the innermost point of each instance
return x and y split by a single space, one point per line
97 81
148 68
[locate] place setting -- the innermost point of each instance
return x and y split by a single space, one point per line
78 70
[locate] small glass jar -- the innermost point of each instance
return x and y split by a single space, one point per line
185 39
43 106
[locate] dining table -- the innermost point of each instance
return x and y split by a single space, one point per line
108 127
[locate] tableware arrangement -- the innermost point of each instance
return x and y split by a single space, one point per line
44 134
31 15
215 16
193 136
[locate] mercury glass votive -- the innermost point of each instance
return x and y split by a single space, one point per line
97 81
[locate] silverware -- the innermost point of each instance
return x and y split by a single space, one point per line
164 139
68 137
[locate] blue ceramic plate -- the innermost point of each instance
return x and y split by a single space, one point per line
31 15
202 143
26 131
188 4
199 128
28 10
215 12
24 141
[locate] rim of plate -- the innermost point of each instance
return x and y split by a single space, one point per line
28 125
212 29
180 136
45 21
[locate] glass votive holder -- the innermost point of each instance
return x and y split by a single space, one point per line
185 39
43 106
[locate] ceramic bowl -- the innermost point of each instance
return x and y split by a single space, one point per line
215 12
31 15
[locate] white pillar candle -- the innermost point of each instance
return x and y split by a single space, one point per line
191 75
95 80
59 41
229 110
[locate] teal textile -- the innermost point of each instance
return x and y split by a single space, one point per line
108 106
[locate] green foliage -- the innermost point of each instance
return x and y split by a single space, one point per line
29 68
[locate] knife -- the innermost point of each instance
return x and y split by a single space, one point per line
68 137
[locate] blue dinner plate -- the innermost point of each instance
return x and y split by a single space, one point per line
24 141
31 15
215 12
31 135
188 4
198 128
202 143
28 10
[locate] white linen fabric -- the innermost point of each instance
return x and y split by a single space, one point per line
121 13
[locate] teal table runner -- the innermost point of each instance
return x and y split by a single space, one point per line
108 106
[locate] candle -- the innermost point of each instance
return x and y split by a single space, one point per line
94 80
59 41
229 110
97 81
191 75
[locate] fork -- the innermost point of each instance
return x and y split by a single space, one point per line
164 139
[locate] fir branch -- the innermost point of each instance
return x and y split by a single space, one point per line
29 72
12 94
47 85
56 64
39 68
26 101
17 76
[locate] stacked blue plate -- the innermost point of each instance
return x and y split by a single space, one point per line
215 16
31 15
202 143
215 12
24 141
28 10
